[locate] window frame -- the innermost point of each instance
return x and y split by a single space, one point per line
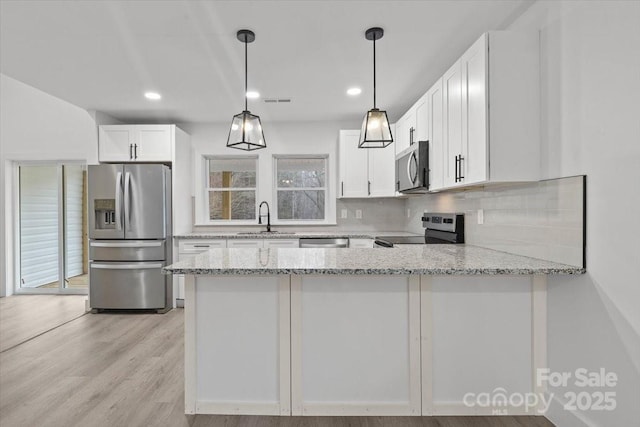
327 190
204 181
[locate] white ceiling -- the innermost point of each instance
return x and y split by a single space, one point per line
104 55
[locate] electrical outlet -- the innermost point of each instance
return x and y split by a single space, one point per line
358 213
343 214
408 213
480 216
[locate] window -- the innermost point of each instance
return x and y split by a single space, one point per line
301 188
231 188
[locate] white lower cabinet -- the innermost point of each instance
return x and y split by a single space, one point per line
281 243
244 243
479 335
187 248
242 353
362 344
355 345
190 247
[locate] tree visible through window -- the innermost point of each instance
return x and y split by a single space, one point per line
231 188
301 188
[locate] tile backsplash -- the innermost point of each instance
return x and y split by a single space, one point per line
541 220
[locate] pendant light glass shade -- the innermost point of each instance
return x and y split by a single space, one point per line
246 129
375 131
246 132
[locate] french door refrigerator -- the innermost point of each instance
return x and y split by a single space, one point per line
129 236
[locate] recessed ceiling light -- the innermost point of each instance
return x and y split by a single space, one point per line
252 94
154 96
353 91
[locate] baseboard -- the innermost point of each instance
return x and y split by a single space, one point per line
460 409
358 409
237 408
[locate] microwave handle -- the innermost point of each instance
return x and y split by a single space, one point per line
413 160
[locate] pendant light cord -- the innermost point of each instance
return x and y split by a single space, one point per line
246 73
374 72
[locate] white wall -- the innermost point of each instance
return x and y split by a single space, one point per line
296 138
37 126
590 54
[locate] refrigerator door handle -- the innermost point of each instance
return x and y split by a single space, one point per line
119 201
127 201
140 266
126 244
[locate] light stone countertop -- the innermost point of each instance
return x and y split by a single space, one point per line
292 235
409 259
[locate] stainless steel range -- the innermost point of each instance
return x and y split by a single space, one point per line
440 228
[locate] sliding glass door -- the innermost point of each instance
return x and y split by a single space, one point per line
52 228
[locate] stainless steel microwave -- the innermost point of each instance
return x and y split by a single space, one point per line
412 169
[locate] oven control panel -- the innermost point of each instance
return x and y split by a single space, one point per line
441 221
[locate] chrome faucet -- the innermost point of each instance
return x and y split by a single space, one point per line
268 215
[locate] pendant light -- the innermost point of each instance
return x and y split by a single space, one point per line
246 130
375 132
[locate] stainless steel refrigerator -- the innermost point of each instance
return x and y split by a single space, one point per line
129 236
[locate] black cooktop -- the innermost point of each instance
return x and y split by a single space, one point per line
403 240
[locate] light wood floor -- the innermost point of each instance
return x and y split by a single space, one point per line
25 316
76 282
127 370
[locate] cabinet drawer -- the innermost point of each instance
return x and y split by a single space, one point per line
244 243
281 243
198 246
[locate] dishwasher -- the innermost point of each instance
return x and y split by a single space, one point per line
324 242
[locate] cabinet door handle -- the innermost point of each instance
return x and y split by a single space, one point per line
135 151
411 129
368 188
342 188
130 151
460 176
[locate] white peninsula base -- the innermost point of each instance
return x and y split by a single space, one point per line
360 344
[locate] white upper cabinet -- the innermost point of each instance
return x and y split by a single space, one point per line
491 112
115 143
406 130
364 172
452 123
432 118
353 165
154 143
159 144
382 172
135 143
